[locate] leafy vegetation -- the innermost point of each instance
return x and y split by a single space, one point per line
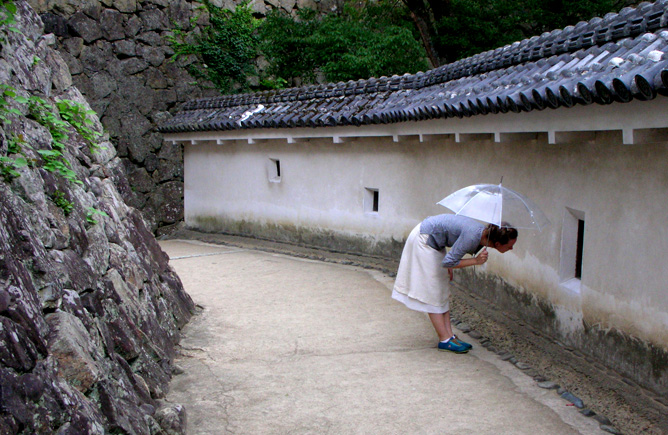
54 159
59 120
91 212
9 166
63 203
455 29
225 50
78 117
70 114
7 93
7 16
362 42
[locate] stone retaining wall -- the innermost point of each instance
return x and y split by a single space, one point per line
119 59
90 310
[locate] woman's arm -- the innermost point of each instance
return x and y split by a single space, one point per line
473 261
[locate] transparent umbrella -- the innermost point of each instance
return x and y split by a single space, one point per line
496 204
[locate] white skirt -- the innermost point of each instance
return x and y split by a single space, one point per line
422 283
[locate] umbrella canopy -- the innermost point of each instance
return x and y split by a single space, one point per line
496 204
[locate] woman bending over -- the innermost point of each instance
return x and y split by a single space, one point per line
425 270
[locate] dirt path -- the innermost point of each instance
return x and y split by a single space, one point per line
243 371
619 405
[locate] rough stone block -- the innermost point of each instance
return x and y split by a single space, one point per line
95 58
111 22
132 26
69 343
55 24
135 125
133 65
97 253
154 19
85 27
73 63
140 180
174 153
168 198
61 78
172 419
151 38
155 56
155 79
125 48
73 45
548 385
16 349
125 6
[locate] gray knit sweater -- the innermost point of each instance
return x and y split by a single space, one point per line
459 233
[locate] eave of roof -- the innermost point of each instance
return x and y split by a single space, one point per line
616 58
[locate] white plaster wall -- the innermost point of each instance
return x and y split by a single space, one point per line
620 188
322 185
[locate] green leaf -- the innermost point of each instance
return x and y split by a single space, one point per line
49 153
10 6
20 162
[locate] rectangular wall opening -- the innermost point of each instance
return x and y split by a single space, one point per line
274 170
371 200
572 264
580 248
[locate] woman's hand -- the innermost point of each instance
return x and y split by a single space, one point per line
482 257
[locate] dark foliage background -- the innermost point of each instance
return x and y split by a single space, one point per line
367 38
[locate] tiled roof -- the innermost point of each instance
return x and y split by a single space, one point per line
616 58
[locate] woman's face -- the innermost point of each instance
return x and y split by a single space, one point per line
505 248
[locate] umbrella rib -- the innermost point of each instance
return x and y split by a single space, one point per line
467 203
501 204
530 211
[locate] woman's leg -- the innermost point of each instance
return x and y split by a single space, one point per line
441 323
448 326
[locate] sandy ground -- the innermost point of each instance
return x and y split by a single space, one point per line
284 344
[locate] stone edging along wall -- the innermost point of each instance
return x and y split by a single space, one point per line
120 61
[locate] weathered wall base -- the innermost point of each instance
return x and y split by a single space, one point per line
635 359
290 233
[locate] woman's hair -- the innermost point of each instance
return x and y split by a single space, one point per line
503 234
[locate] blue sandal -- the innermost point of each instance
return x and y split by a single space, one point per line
463 343
452 346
